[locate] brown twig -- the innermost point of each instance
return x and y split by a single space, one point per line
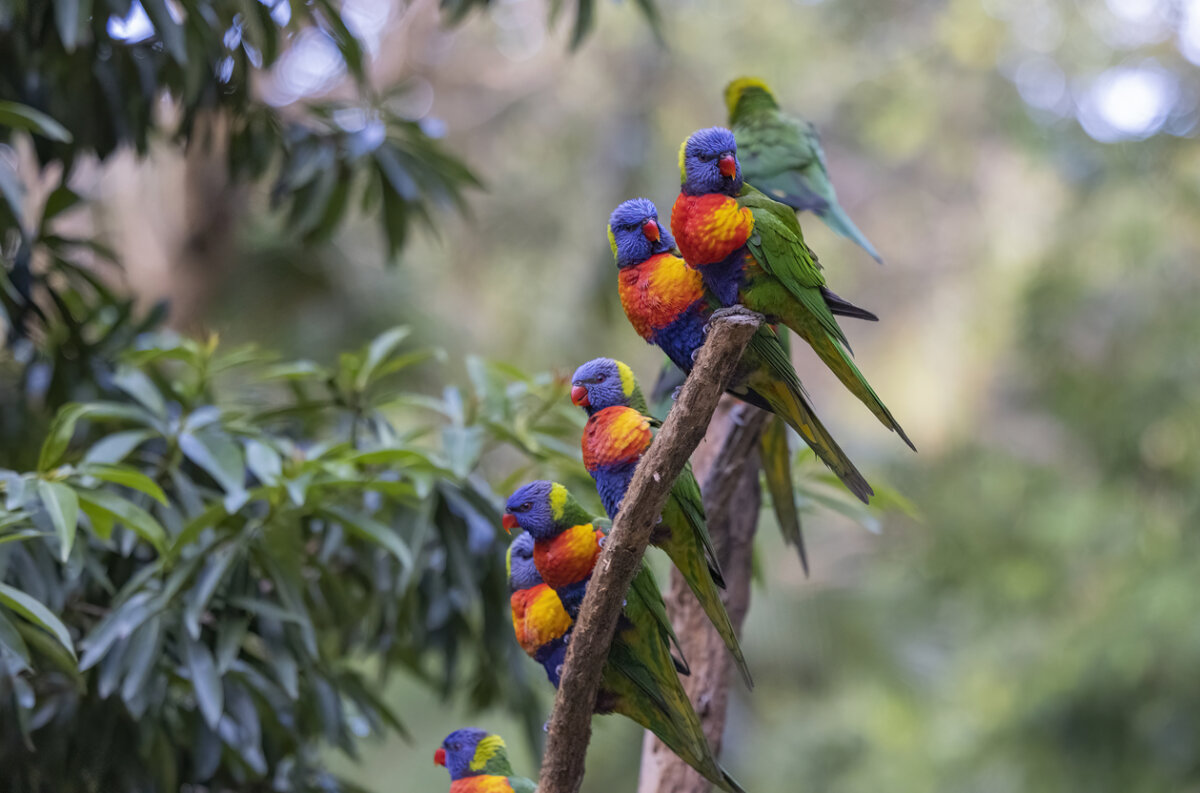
570 723
729 472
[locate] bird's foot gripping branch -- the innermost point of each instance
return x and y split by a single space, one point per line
684 428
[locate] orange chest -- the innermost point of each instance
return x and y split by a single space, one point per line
568 558
538 617
614 436
481 784
657 291
709 227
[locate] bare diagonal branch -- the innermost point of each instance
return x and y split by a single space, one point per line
570 724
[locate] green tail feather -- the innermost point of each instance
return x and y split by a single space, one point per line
646 595
833 355
639 672
789 404
657 702
776 457
686 555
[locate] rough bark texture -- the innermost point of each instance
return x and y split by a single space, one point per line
570 723
727 466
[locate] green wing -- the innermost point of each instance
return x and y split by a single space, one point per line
776 457
782 157
685 493
773 379
520 784
644 594
778 245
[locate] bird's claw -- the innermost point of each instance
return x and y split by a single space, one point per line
736 313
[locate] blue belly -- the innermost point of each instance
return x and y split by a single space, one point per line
684 336
724 279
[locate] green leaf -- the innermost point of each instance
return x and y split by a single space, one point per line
852 510
133 517
221 459
63 428
23 534
36 613
295 370
206 584
12 189
135 383
118 624
17 116
206 682
373 530
11 641
62 505
144 650
378 351
125 475
116 447
264 462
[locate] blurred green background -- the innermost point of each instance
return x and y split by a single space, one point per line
1029 172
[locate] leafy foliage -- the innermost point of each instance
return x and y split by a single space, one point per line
581 26
240 550
81 85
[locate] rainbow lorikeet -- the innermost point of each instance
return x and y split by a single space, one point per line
640 679
478 763
540 622
669 306
564 553
782 156
617 434
750 250
538 619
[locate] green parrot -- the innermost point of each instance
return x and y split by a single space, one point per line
668 305
639 680
618 432
750 250
782 156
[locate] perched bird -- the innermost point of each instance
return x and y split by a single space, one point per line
618 432
639 680
668 305
540 622
566 544
478 763
782 156
750 250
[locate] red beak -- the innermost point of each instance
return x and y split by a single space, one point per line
728 165
439 757
509 522
579 394
650 229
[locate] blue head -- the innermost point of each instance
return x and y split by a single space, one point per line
522 572
708 163
603 382
465 752
635 234
531 507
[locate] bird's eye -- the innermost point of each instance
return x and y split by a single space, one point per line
526 506
600 378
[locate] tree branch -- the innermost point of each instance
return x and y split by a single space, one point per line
729 471
570 724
